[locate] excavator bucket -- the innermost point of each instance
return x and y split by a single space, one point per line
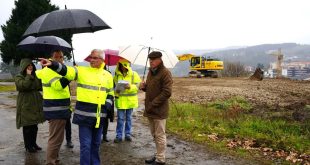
258 75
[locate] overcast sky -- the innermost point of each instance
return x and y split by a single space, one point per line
188 24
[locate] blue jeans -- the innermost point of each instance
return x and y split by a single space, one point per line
89 145
121 114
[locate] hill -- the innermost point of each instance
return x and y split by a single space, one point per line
253 55
250 56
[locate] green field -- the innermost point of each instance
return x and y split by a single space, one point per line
7 88
219 122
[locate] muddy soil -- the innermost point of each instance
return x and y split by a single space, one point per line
272 95
179 152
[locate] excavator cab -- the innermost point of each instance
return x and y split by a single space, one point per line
196 62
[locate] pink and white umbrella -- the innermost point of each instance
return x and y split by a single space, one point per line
111 57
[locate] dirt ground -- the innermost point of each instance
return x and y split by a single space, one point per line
272 95
179 152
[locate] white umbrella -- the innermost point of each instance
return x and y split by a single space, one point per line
137 54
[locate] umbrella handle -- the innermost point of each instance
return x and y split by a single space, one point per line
144 70
146 63
74 64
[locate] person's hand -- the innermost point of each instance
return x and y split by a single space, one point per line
142 85
45 62
127 86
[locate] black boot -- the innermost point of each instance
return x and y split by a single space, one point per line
69 144
104 139
34 135
27 139
31 150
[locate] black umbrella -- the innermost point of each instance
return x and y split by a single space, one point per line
45 44
71 21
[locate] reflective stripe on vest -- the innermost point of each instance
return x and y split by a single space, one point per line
58 108
91 87
59 68
89 114
109 101
131 94
50 82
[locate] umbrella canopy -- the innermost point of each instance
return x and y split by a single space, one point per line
72 21
111 57
138 55
45 44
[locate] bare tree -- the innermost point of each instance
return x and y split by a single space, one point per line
234 69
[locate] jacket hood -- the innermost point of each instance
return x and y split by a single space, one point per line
125 64
24 63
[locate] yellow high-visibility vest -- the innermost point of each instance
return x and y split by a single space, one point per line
52 88
128 98
93 86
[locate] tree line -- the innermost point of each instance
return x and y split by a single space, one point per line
24 13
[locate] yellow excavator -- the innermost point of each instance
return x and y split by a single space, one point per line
202 66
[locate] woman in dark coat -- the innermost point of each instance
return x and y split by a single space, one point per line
29 104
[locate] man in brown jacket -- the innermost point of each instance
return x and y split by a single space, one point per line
157 89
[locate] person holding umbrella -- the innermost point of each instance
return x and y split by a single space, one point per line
94 97
126 99
56 107
158 88
29 107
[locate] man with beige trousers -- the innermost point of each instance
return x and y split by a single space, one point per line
56 107
157 87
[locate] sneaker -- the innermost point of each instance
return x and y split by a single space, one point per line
128 138
69 144
116 140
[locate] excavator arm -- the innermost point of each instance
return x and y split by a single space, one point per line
185 57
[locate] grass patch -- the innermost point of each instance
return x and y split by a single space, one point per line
7 88
231 119
7 80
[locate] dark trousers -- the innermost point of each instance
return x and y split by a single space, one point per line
68 130
89 145
105 127
30 135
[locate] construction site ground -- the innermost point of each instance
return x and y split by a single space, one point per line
270 98
278 97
